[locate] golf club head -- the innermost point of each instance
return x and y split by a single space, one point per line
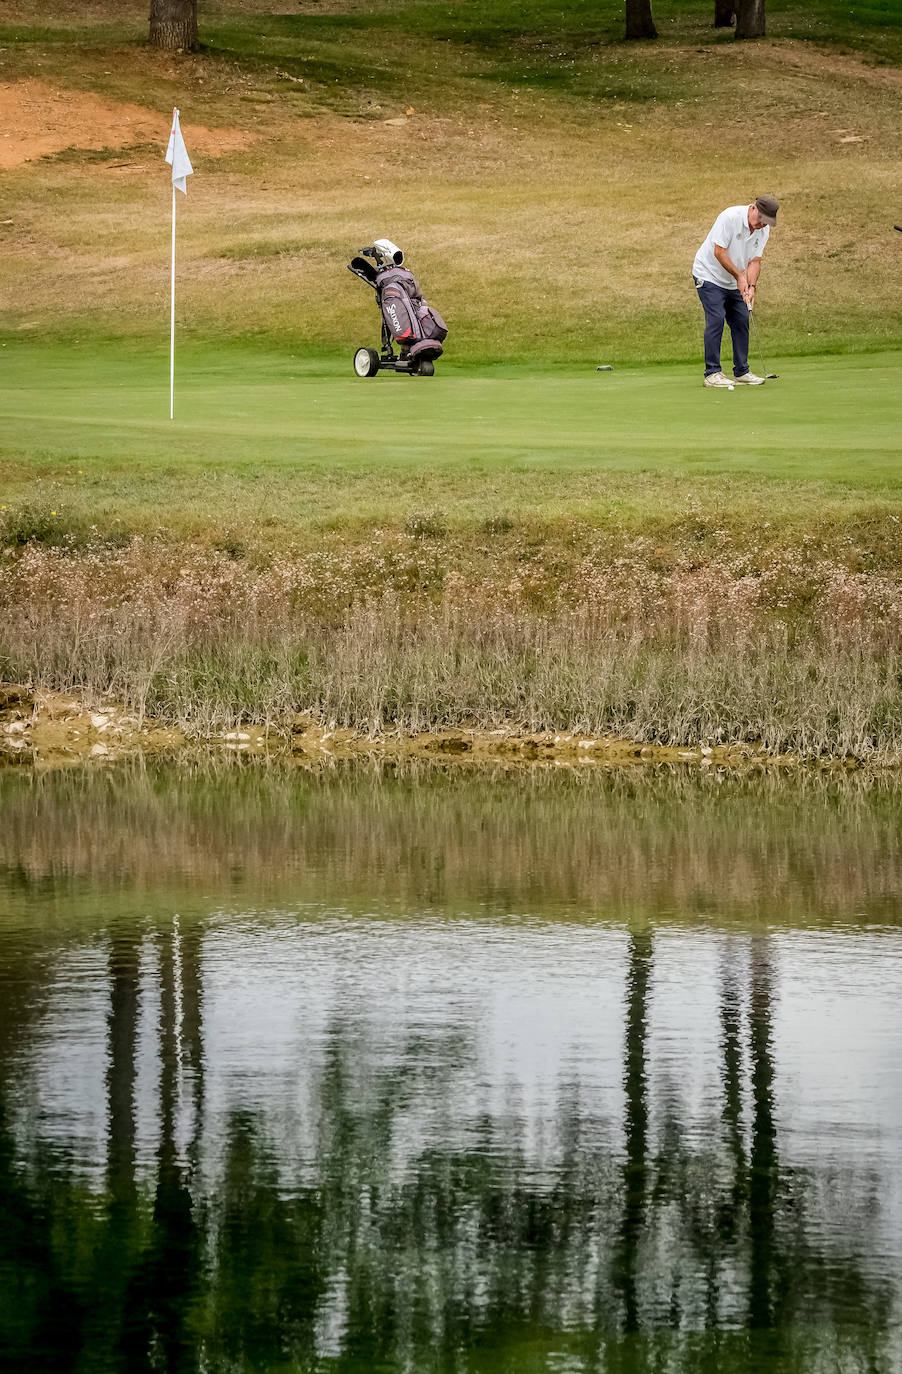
899 227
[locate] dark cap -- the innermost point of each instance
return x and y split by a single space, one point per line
767 207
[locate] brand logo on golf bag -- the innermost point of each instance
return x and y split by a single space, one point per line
393 315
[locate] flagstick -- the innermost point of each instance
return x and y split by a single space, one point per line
177 157
172 317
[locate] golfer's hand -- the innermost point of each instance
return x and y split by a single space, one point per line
750 296
742 282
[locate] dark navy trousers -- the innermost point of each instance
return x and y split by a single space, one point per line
721 304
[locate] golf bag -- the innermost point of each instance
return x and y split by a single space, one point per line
407 319
411 322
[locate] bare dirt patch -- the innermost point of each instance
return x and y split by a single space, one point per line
37 119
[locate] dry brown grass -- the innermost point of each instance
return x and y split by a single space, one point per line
797 655
525 194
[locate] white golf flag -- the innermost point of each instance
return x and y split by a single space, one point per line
177 155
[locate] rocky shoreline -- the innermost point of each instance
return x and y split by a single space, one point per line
45 728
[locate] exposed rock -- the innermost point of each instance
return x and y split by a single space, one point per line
51 728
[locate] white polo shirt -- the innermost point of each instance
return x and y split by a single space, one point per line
730 231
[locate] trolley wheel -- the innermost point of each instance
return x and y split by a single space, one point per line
426 368
366 362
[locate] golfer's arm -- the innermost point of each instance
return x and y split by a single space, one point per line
753 271
726 261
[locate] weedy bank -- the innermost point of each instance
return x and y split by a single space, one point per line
797 654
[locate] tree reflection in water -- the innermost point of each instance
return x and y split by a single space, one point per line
635 1082
650 1256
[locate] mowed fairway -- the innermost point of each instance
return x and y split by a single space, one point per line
303 443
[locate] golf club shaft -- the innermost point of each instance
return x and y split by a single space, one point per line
758 339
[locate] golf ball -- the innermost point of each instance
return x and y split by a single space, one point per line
730 388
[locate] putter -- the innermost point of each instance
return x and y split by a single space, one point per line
768 376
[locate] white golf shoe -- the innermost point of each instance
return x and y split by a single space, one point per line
749 379
718 379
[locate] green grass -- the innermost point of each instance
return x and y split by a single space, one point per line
289 445
870 27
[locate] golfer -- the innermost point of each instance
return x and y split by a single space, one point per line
726 272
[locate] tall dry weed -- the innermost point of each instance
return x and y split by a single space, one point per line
800 654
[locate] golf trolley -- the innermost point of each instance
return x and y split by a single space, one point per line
407 320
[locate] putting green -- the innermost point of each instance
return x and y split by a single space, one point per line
76 420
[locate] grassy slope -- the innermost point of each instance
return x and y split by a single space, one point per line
551 185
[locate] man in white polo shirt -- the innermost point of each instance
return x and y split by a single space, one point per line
725 272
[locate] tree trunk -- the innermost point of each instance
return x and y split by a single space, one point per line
173 24
723 13
749 18
639 23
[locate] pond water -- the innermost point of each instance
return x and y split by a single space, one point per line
423 1070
